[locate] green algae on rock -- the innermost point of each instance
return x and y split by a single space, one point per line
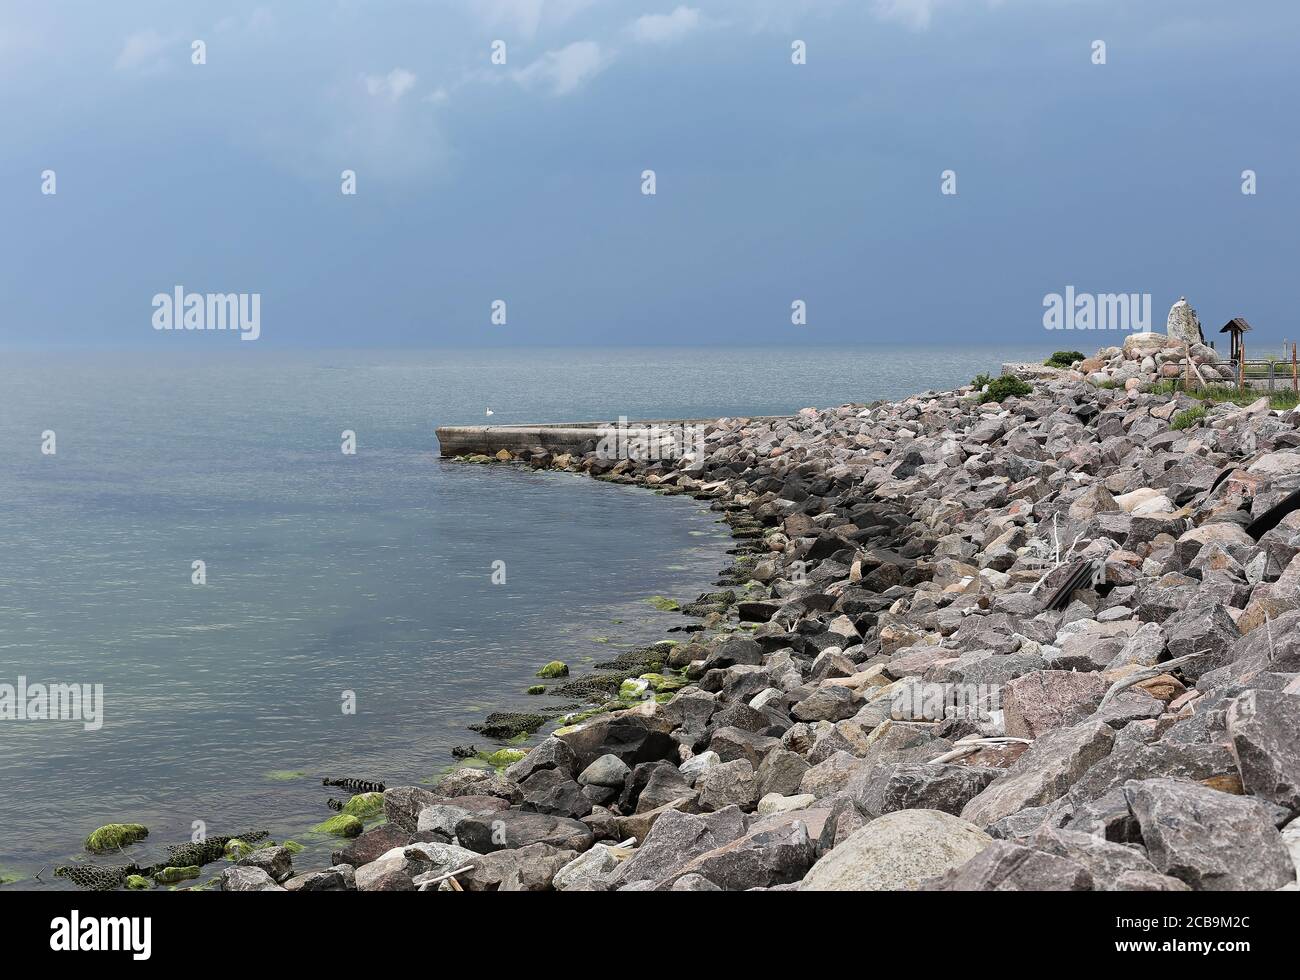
340 825
114 836
138 882
664 605
501 757
364 805
556 668
284 775
536 689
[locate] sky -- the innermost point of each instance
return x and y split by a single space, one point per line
775 183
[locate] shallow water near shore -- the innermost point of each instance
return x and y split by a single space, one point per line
329 573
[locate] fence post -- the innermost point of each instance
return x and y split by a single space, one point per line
1272 366
1295 378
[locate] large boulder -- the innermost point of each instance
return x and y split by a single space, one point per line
509 829
764 857
629 735
1213 841
1045 700
525 869
918 786
675 839
897 852
1005 866
1044 773
1265 730
246 879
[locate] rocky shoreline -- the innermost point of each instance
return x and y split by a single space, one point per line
1039 636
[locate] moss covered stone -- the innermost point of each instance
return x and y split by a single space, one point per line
537 689
663 604
113 836
502 757
170 875
340 825
556 668
364 805
137 882
664 682
632 689
293 847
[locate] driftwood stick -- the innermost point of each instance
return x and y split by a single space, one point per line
451 874
1146 674
972 744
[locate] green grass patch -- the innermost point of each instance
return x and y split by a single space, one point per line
1188 418
1280 399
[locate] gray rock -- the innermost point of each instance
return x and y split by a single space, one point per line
675 839
246 879
1201 628
760 859
402 806
781 772
597 864
1105 860
1005 866
330 880
897 852
553 791
696 764
631 737
551 753
509 829
918 786
525 869
727 784
1265 730
439 822
608 770
1211 840
829 703
694 883
1044 773
275 861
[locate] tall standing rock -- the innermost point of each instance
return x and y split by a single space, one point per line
1183 324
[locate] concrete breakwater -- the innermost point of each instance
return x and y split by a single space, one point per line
553 437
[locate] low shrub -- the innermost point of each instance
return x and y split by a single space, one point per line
1006 386
1064 358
